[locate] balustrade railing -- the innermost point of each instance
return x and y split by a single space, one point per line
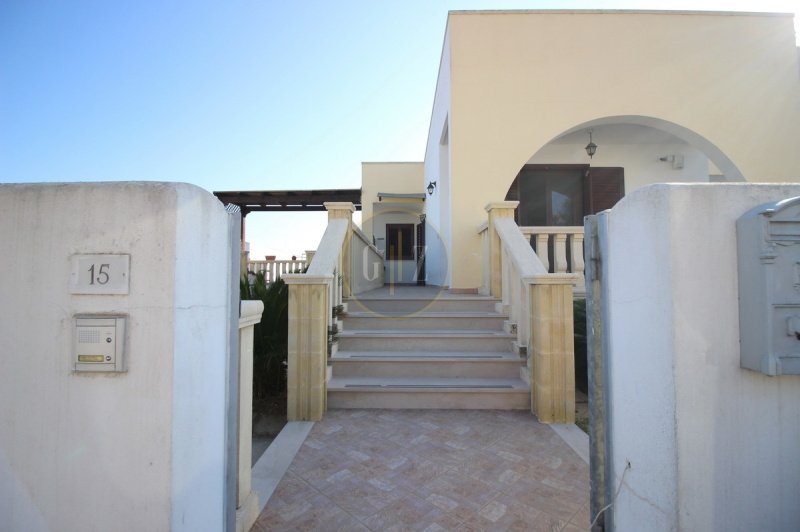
559 248
344 263
275 269
539 304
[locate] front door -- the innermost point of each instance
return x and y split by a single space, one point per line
400 264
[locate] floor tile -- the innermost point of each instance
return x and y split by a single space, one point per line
430 470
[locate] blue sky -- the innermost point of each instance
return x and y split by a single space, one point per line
231 95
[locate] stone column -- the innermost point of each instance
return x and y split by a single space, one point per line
344 210
309 308
310 256
552 352
499 209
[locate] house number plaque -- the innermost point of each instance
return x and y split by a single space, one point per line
100 274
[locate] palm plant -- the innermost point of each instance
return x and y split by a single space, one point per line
270 336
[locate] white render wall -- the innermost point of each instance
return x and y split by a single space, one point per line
142 450
438 208
635 148
711 446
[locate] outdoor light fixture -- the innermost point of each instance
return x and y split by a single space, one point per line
431 187
591 148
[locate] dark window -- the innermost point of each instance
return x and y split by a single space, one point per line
400 241
562 194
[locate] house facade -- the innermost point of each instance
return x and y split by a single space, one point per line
666 96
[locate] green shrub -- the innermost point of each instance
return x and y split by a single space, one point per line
270 337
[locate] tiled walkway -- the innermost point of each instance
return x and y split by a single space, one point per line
431 470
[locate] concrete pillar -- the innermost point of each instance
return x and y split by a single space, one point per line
246 501
309 309
499 209
552 351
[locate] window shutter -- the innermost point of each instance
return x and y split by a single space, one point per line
605 187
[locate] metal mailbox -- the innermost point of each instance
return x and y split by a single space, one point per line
768 240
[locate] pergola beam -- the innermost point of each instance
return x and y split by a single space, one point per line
288 200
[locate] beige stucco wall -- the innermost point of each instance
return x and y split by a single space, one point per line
394 177
728 83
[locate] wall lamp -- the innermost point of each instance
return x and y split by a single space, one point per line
591 148
431 188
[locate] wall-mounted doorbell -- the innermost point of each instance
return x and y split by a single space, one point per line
99 343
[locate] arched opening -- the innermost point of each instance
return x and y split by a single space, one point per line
561 183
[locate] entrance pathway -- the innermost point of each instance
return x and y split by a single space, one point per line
431 470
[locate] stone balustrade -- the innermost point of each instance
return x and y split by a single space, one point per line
342 265
540 304
565 244
275 269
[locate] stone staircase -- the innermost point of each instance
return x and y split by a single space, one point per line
416 347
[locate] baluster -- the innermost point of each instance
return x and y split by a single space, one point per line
541 250
577 253
270 272
560 252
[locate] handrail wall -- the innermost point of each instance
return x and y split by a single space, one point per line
334 273
540 308
368 263
326 259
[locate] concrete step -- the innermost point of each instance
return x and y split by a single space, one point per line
440 340
397 393
425 320
407 364
442 303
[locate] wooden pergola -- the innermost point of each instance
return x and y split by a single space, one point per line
286 200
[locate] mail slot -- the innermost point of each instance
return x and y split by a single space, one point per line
768 242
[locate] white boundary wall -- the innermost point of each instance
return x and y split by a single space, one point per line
142 450
711 446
